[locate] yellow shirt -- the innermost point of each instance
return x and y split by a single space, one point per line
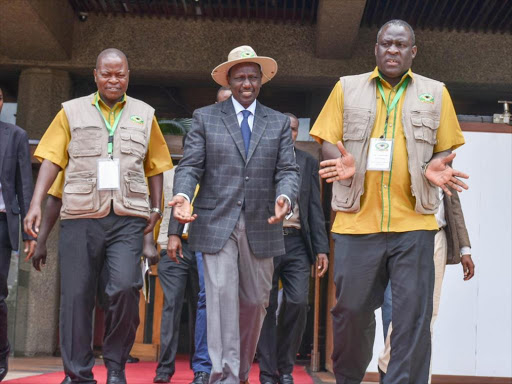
387 204
54 145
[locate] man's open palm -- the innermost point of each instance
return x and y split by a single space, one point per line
341 168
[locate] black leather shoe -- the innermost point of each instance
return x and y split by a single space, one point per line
286 379
116 377
201 378
132 359
162 378
67 380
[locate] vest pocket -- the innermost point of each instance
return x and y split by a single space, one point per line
133 143
80 195
135 194
355 123
344 196
85 142
424 127
428 199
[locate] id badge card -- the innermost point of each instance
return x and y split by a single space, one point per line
108 174
380 154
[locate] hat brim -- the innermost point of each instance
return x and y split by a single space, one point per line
267 64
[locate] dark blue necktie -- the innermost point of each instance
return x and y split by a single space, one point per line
246 131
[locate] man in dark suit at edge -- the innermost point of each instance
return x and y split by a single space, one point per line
15 195
241 153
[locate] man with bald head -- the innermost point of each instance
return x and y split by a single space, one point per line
108 144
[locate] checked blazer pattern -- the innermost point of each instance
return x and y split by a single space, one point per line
214 156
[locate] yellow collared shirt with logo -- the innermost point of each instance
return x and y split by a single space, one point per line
387 204
54 145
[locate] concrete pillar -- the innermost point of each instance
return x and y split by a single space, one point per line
37 307
40 94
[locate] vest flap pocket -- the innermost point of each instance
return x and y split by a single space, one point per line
428 122
80 195
205 202
78 188
138 187
85 142
425 126
138 138
355 123
135 194
133 143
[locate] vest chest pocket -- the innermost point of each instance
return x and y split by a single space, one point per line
355 124
80 195
133 143
424 127
135 194
85 142
355 127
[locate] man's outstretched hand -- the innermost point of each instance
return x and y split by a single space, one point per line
341 168
182 209
439 173
281 208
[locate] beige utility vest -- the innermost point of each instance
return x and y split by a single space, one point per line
89 139
421 113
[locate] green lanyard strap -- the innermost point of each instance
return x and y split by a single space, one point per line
111 129
390 107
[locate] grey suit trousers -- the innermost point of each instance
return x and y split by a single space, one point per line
237 294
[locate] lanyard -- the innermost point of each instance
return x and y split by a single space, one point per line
111 129
390 107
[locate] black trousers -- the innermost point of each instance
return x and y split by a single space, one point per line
177 280
5 261
280 341
363 266
85 247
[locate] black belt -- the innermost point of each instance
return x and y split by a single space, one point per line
290 231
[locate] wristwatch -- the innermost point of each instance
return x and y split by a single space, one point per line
157 210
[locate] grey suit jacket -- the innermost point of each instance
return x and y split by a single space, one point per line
311 214
456 231
16 177
214 156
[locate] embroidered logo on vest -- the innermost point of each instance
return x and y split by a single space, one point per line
137 119
426 98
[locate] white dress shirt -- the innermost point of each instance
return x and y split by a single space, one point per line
239 115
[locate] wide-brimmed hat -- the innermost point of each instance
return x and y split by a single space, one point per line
244 54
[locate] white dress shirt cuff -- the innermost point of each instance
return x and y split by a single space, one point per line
185 196
465 251
289 201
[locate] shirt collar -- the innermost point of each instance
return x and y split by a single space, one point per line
239 107
375 74
102 103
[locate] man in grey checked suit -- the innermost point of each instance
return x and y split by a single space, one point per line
241 153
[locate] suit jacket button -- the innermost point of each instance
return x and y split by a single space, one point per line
246 178
239 203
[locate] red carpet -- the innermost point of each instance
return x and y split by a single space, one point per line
143 373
